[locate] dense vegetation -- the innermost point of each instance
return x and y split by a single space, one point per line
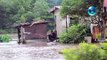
17 11
79 7
75 34
86 52
5 38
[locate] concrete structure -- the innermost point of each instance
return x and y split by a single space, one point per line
61 22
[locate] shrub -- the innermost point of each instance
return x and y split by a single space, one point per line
74 33
5 38
89 52
104 51
84 52
98 36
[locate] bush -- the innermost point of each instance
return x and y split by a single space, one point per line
86 51
98 36
74 33
104 51
5 38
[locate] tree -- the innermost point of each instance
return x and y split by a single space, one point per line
41 9
70 7
79 7
17 11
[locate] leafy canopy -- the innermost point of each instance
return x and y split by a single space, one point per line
16 11
71 6
79 7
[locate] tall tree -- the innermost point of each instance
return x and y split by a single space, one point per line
70 7
16 11
79 7
41 9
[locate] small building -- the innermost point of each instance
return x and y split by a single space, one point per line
37 30
61 22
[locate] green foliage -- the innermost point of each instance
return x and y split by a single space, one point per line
75 34
5 38
41 9
98 36
79 7
88 32
70 7
104 51
89 52
17 11
85 52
